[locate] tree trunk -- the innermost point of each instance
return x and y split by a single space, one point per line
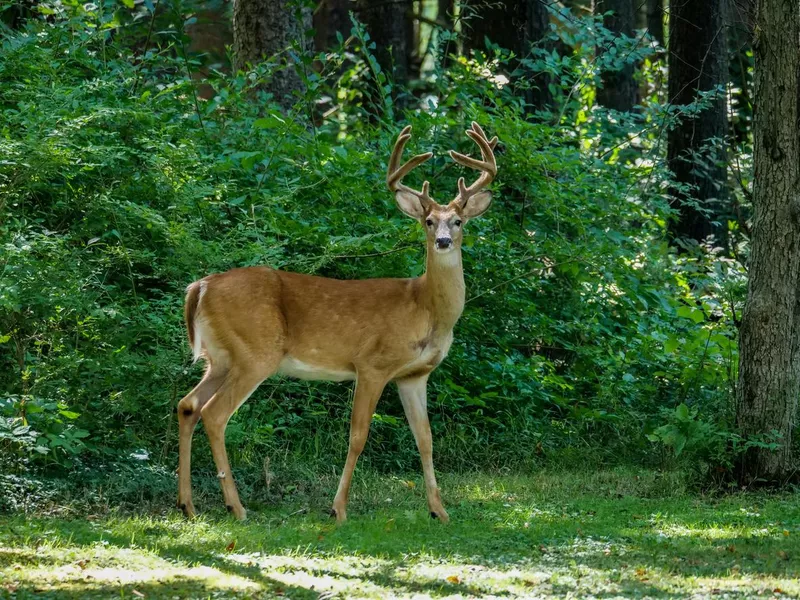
537 28
769 358
501 21
516 25
265 28
741 15
330 18
446 17
655 20
697 62
390 26
617 89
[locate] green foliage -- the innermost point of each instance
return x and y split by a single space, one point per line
622 534
119 186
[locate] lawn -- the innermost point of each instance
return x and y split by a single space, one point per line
551 535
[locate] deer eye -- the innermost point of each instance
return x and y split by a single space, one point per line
457 222
429 222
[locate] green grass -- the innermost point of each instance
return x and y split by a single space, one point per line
605 534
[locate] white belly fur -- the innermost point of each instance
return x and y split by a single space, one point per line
291 367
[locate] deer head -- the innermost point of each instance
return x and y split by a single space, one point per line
444 223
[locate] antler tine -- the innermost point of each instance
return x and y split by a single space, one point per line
487 166
395 174
479 130
397 151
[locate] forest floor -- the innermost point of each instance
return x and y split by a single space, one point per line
603 535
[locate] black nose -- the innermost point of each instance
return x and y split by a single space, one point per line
443 242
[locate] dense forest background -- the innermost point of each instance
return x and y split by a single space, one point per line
147 143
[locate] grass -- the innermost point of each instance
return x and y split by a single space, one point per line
605 535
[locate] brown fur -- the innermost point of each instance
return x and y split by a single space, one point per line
251 323
190 309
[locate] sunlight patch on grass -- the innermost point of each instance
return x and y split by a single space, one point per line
69 568
511 537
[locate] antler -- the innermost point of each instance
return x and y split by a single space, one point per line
395 174
487 166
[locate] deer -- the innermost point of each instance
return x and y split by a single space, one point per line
248 324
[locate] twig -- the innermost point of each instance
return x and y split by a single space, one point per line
146 46
384 253
531 272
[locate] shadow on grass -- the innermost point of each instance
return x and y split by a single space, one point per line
633 546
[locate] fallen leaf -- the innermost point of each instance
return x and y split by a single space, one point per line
83 563
731 548
410 484
454 579
782 555
777 591
231 547
786 532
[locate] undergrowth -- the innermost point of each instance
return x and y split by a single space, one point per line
583 335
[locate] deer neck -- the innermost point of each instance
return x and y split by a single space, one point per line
443 287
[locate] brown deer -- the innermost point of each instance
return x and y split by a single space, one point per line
249 324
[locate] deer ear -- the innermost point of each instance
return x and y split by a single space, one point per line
477 205
410 204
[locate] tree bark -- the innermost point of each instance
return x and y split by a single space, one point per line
655 20
697 62
265 28
330 18
741 21
617 89
515 25
390 26
769 358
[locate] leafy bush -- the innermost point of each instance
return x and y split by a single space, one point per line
119 186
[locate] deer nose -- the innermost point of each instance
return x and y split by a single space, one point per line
443 242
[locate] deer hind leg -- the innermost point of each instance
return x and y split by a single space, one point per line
413 395
188 415
368 392
236 389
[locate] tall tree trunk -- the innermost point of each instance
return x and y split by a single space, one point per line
331 17
537 28
741 21
390 26
515 25
445 16
769 358
264 28
618 90
697 62
655 20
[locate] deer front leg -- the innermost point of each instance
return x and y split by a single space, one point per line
413 395
365 399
